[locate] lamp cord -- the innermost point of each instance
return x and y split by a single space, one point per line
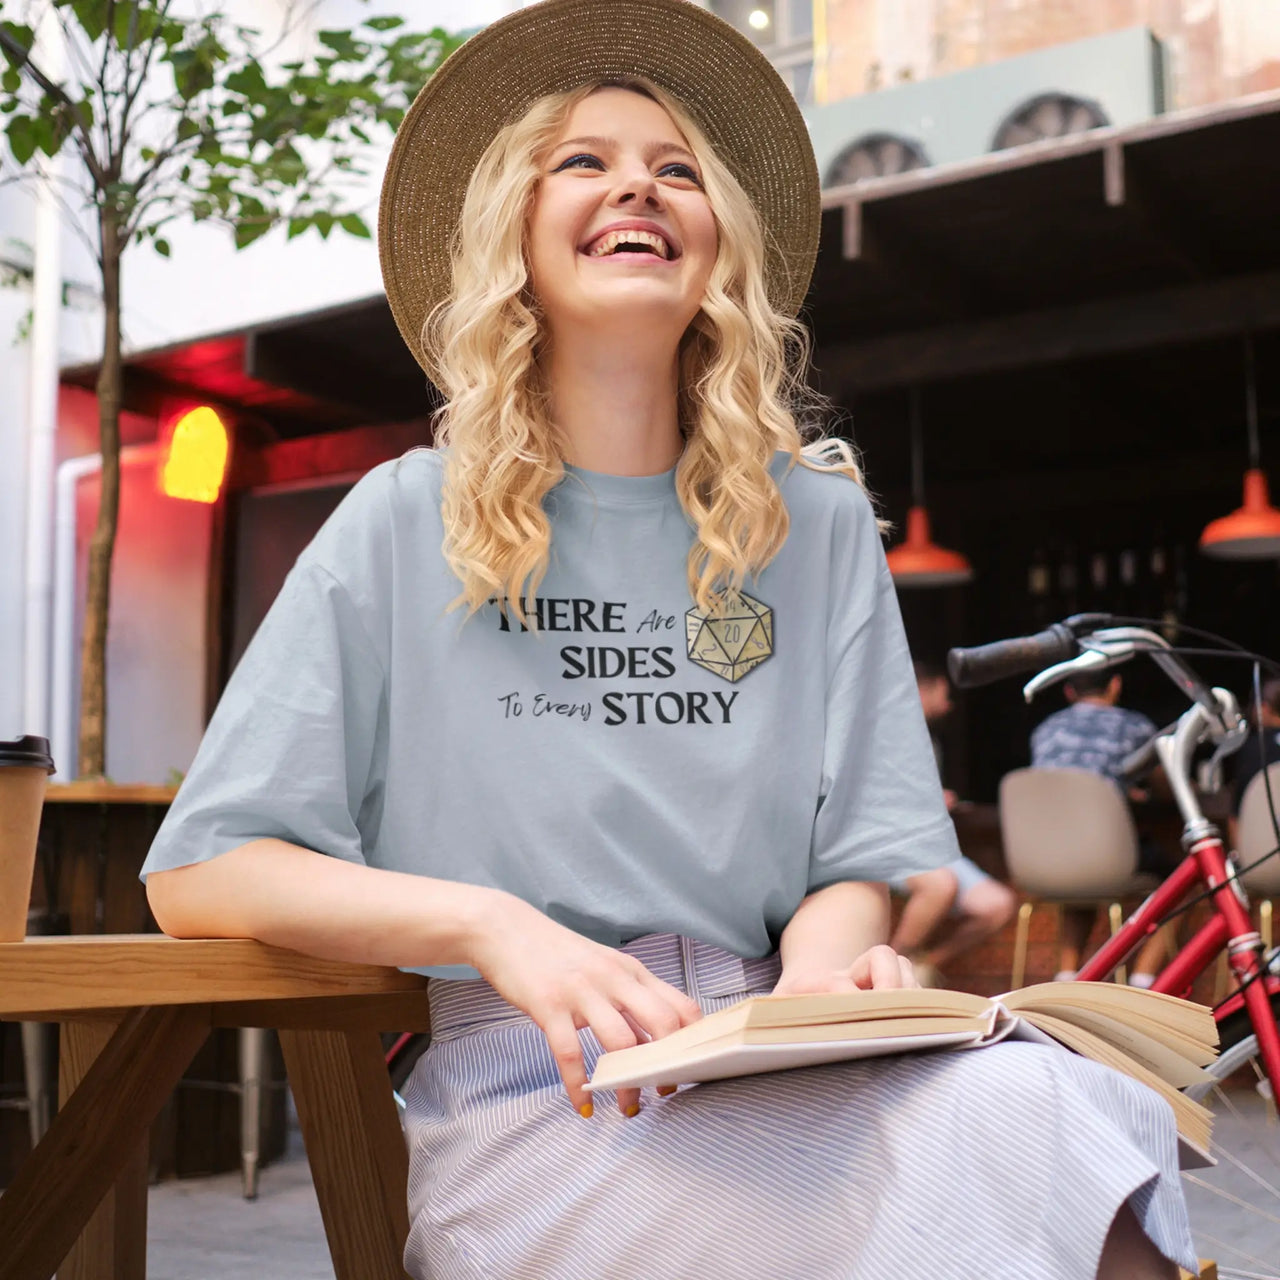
917 451
1251 404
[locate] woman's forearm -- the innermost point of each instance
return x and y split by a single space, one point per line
292 897
834 926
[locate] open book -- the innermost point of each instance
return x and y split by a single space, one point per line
1159 1040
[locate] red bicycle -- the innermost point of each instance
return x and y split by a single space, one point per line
1249 1018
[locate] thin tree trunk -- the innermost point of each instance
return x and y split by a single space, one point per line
93 653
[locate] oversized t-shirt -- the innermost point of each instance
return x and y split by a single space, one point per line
630 766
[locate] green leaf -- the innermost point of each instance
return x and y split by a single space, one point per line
120 23
162 246
384 24
22 138
324 222
91 15
297 226
187 128
11 80
19 34
248 232
354 224
248 80
344 44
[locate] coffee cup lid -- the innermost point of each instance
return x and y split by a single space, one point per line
27 752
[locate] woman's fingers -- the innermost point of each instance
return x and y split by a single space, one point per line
909 978
562 1037
686 1009
877 969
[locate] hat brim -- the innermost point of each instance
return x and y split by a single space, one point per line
725 82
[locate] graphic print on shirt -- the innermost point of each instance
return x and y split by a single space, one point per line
728 647
735 644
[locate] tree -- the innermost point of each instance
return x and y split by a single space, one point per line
190 115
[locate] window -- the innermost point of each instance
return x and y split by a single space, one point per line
783 29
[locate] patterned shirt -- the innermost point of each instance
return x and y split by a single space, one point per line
1089 735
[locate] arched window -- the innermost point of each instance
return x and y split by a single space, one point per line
1048 115
875 155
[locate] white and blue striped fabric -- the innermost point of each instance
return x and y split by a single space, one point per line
1004 1163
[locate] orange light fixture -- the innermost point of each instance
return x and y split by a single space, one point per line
919 561
194 459
1252 531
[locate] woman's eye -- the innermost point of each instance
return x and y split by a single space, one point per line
688 172
573 160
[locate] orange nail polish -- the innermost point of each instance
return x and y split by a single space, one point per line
666 1090
586 1111
632 1111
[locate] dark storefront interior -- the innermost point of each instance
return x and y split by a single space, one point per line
1073 316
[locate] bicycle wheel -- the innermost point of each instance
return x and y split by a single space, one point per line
1235 1207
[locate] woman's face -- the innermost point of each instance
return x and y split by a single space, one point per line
620 227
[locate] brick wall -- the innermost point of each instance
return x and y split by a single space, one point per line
1217 49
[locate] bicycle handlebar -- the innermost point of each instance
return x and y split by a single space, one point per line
987 663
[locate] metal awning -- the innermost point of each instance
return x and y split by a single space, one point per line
1070 253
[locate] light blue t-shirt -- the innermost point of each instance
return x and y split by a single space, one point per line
632 768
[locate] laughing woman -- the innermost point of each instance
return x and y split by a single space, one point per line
601 715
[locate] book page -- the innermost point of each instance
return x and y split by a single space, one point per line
1184 1017
1194 1121
618 1070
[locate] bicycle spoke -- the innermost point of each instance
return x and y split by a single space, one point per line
1221 1094
1244 1168
1226 1195
1231 1248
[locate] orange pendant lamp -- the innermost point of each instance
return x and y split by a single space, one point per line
919 561
1252 531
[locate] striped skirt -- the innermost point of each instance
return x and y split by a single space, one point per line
1003 1163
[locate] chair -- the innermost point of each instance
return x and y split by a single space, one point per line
1069 840
1255 836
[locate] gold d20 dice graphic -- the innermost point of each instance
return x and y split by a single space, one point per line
734 644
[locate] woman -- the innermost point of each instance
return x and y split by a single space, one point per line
668 749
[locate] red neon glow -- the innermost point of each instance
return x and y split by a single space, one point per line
195 459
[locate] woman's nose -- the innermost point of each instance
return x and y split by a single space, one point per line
637 188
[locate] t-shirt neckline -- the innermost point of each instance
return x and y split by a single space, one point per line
606 487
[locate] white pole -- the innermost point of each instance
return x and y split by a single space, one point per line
42 409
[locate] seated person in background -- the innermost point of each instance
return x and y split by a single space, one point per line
952 908
1247 762
1093 733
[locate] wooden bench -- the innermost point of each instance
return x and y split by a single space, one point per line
133 1010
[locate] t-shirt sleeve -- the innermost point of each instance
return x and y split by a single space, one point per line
290 750
881 813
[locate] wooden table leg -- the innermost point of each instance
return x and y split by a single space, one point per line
114 1241
94 1139
355 1146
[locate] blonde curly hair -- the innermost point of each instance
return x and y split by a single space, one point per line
742 394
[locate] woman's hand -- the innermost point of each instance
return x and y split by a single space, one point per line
564 982
878 969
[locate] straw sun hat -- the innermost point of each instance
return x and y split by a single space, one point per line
719 76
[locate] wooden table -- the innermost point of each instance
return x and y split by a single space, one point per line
133 1010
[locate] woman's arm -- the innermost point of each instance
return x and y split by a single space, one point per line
288 896
835 941
322 906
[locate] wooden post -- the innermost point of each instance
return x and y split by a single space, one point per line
94 1145
355 1146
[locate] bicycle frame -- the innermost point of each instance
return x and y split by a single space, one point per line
1205 866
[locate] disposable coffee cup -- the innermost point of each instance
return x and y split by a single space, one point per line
25 766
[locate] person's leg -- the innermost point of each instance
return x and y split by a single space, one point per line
930 896
1127 1254
984 908
1077 924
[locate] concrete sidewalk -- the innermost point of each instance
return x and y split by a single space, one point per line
201 1228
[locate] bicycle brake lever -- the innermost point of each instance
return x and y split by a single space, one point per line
1085 660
